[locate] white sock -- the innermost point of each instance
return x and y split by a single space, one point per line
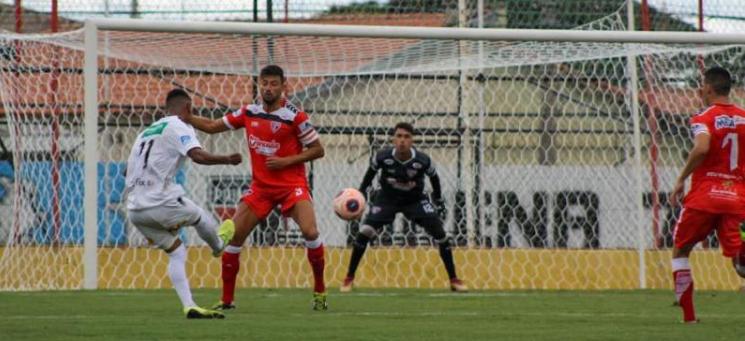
233 249
177 273
680 264
313 244
207 230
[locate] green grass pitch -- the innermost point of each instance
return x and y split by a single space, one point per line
285 314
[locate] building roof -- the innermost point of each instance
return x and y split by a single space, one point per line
134 86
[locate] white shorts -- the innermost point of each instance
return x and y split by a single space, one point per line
160 225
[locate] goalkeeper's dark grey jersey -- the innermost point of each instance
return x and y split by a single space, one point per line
402 179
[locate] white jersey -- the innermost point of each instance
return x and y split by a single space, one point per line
156 156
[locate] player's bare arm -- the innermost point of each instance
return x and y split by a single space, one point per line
202 157
207 125
313 151
696 155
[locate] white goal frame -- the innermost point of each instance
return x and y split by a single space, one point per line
93 26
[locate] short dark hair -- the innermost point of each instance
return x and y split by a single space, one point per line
174 95
719 79
405 126
272 70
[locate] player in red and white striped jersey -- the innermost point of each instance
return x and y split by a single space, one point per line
716 199
280 140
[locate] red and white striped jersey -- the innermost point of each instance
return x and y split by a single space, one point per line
280 133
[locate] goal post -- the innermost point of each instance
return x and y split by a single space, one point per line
90 159
636 127
546 182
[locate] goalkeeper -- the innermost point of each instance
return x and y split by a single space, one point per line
402 190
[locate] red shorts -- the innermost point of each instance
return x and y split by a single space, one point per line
695 225
262 199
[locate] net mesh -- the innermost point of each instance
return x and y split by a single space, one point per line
533 142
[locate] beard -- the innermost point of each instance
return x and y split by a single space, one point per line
270 99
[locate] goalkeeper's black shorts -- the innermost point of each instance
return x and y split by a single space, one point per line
383 210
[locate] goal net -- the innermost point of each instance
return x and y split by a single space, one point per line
552 180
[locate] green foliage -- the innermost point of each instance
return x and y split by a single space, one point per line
359 7
393 6
557 14
536 14
567 14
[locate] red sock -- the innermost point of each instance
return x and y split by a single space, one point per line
684 293
317 262
230 266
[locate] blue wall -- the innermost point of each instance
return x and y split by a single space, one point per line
111 209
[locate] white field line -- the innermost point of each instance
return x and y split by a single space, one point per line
357 294
525 314
422 314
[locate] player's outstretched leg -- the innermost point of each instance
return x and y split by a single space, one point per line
244 221
207 229
366 233
684 287
225 232
302 213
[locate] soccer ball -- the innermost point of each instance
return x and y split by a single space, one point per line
349 204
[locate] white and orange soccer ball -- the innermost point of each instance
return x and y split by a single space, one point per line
349 204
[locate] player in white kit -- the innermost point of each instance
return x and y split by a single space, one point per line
157 204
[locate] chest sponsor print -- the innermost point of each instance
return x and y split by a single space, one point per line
267 148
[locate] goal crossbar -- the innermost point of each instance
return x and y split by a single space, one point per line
409 32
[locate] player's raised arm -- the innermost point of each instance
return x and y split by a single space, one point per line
203 157
208 125
187 144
